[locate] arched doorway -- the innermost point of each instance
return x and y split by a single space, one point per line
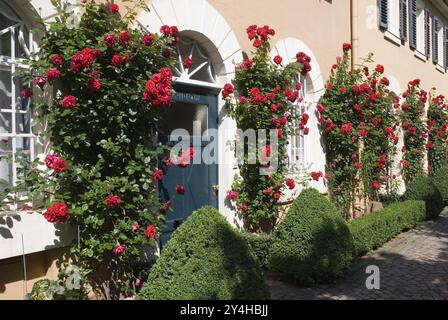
191 123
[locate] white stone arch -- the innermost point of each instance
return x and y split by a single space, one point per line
288 48
206 25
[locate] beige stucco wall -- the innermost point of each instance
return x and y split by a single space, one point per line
399 60
322 25
39 266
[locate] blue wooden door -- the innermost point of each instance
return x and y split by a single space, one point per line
195 113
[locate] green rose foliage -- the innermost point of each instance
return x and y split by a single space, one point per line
107 139
359 132
415 131
437 127
264 92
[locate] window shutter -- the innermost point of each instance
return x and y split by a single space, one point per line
445 47
403 20
413 24
383 13
427 34
435 40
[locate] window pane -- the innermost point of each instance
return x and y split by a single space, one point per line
5 89
182 115
23 123
5 122
5 163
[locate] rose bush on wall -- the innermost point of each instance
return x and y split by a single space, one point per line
437 129
359 131
263 97
415 131
109 83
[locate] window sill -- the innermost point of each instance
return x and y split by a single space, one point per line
418 54
440 69
392 37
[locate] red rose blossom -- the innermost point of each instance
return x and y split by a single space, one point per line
68 102
26 93
57 60
113 201
188 63
346 129
57 213
158 88
148 39
53 74
59 165
124 38
151 232
180 190
118 60
158 175
346 46
227 91
94 84
278 59
316 175
291 183
113 8
119 249
109 40
232 195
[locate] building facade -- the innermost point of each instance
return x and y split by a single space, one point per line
408 37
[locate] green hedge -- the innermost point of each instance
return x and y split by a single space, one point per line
206 258
313 243
440 180
372 231
423 188
259 244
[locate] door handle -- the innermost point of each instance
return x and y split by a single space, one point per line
215 188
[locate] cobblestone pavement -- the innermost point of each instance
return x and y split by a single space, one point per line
412 266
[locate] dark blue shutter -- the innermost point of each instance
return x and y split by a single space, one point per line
435 40
413 24
427 34
445 47
383 13
403 20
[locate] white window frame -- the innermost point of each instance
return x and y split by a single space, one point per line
421 46
12 64
440 45
298 142
394 18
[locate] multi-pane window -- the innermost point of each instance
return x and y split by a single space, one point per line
297 157
16 137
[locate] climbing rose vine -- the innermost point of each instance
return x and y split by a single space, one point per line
437 125
415 131
359 131
108 83
264 96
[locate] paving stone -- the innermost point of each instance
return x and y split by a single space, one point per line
413 266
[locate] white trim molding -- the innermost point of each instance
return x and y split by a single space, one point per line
202 19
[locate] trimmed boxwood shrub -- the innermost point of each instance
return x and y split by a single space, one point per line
440 180
313 243
372 231
259 244
422 188
206 258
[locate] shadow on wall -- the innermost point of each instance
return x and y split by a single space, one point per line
6 224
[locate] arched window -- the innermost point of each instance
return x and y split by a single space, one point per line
297 147
202 69
16 136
